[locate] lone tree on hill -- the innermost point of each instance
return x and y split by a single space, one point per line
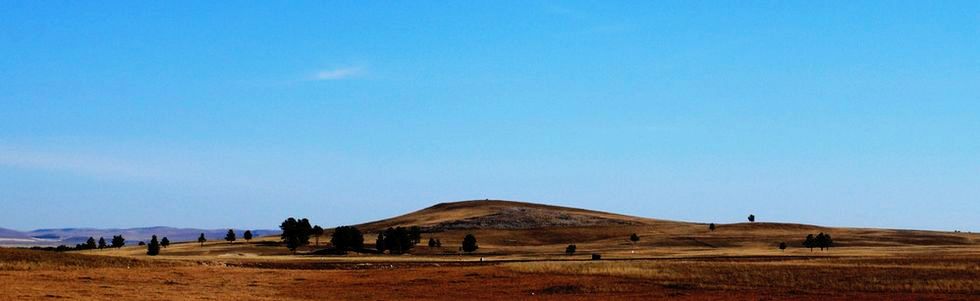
751 218
164 242
247 235
153 249
317 232
102 243
230 236
118 241
469 243
347 238
634 238
711 226
201 239
295 233
90 243
570 250
782 246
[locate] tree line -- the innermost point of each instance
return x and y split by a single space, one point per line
296 233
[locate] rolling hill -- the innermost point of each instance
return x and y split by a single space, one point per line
510 223
500 214
519 230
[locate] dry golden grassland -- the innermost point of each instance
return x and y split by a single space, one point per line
819 275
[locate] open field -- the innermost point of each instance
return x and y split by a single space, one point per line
675 260
45 276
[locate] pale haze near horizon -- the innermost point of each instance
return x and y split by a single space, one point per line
208 115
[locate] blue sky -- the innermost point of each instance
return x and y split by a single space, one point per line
846 113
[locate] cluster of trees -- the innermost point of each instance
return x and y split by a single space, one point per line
397 240
90 244
822 241
347 238
296 233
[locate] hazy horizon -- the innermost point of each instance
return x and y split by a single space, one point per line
209 115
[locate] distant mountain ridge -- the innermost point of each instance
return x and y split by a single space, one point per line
72 236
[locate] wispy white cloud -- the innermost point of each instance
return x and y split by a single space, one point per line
338 73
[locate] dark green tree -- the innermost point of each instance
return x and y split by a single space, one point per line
153 249
118 241
469 243
711 226
247 235
165 242
102 243
90 244
570 250
347 238
201 239
751 218
810 242
823 241
317 232
634 238
230 236
379 243
398 240
415 234
782 246
295 233
432 242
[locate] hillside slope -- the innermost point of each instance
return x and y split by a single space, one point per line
500 214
